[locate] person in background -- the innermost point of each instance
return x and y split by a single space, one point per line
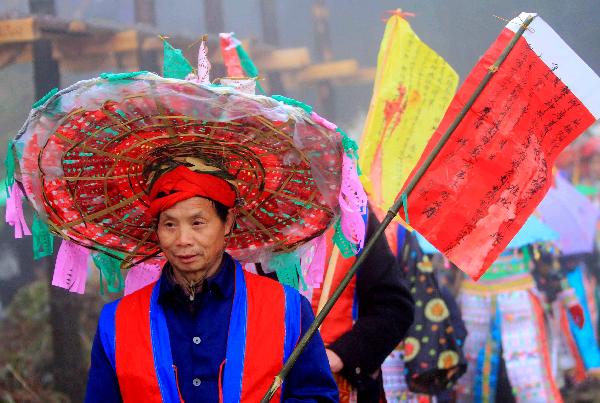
367 323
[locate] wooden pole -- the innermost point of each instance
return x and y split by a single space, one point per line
270 33
145 13
325 91
214 24
390 216
65 311
214 19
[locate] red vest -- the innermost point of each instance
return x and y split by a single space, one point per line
341 317
264 328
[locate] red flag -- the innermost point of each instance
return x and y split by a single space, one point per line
496 166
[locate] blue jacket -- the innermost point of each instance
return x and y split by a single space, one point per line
198 335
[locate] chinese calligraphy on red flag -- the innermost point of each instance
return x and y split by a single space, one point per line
496 166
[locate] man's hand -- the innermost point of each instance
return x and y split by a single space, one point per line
335 362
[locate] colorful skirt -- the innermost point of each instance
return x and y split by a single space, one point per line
394 381
506 316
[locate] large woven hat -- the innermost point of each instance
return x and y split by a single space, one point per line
88 155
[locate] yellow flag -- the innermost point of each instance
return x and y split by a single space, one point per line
413 87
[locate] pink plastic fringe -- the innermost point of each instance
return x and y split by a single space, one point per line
322 121
14 212
70 270
230 55
353 203
142 274
203 74
313 261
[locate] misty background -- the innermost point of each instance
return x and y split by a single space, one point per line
459 30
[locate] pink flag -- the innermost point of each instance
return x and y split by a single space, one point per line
497 165
14 211
142 274
229 44
202 75
70 270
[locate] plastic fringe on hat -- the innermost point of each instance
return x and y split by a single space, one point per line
347 248
110 269
9 167
322 121
350 146
174 62
43 241
202 74
14 211
230 55
141 275
353 204
237 60
46 97
313 260
288 269
293 102
121 76
70 270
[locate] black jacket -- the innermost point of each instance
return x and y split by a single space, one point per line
385 313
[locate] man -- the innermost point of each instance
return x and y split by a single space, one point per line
367 323
205 331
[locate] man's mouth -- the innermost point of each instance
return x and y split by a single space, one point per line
187 258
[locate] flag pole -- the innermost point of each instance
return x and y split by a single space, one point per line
278 381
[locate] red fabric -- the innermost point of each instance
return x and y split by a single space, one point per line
579 370
339 320
265 337
591 147
496 166
542 336
182 183
133 349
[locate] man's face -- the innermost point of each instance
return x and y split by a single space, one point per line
192 236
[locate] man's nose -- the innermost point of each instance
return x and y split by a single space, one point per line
184 236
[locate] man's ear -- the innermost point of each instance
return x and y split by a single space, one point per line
230 221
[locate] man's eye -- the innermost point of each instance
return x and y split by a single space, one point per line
197 223
169 225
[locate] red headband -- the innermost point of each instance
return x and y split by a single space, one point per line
182 183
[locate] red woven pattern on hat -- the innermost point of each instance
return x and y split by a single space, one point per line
96 167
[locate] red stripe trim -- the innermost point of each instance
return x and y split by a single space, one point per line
221 367
133 349
265 337
579 370
552 390
339 320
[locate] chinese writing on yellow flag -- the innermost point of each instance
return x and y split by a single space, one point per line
413 87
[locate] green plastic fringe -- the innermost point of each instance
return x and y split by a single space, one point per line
110 269
293 102
248 65
46 97
121 76
288 269
347 248
350 146
43 241
175 65
9 166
